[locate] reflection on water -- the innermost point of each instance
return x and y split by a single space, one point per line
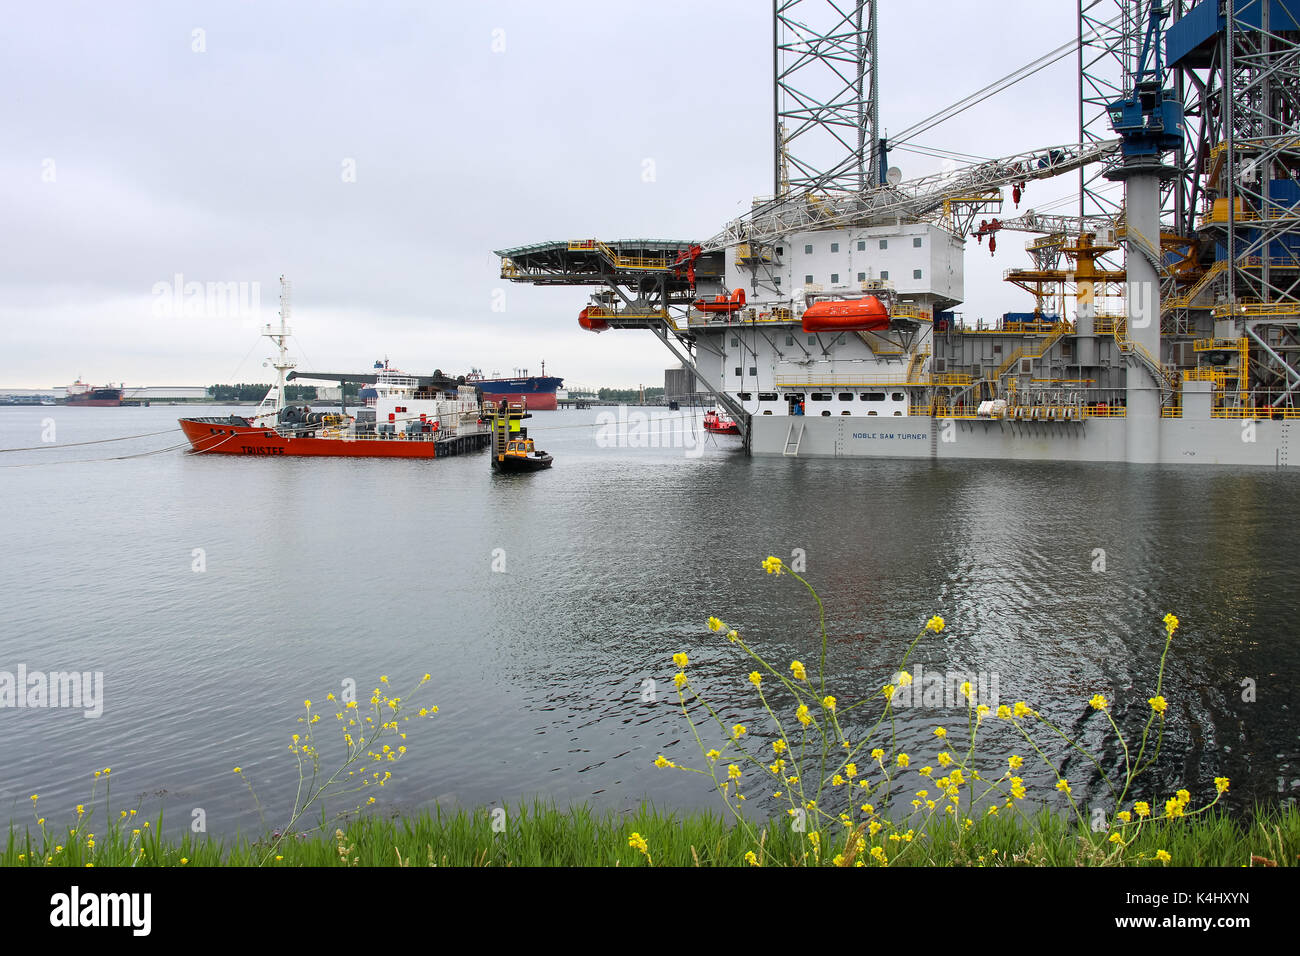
1053 580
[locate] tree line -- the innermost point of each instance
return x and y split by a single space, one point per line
247 392
628 394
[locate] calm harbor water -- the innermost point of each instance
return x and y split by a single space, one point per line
317 571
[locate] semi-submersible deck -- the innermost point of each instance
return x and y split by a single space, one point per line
1183 352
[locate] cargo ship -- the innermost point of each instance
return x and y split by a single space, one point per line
537 392
103 396
412 416
825 321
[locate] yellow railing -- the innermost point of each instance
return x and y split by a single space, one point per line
659 262
916 362
1258 309
1216 375
1105 323
951 378
1184 300
1110 411
1253 411
908 311
1020 353
1215 345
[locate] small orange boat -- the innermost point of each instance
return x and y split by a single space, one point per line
846 315
592 323
719 424
721 303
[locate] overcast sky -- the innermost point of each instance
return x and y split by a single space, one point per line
376 153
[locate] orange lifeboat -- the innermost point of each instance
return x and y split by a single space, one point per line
846 315
721 303
590 323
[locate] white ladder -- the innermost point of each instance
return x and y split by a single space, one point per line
792 438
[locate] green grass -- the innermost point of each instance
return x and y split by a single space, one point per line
543 835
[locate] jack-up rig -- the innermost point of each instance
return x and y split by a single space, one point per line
831 304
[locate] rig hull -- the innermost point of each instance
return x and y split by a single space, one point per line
1181 441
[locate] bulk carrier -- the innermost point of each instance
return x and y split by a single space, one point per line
1162 330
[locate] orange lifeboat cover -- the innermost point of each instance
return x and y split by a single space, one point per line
591 324
849 315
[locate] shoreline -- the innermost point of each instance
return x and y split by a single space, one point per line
540 834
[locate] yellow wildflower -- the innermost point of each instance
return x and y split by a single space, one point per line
802 714
1158 704
1098 702
715 624
1142 808
799 672
772 565
661 761
1162 856
756 678
1221 784
637 842
829 703
934 624
681 660
904 679
1016 761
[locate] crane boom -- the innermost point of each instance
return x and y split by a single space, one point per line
924 198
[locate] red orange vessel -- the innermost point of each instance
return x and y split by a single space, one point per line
413 417
719 424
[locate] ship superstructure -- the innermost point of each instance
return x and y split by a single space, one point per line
825 321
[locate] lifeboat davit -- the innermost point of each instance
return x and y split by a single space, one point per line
591 324
721 303
846 315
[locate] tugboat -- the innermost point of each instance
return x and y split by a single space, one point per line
719 424
512 449
522 455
